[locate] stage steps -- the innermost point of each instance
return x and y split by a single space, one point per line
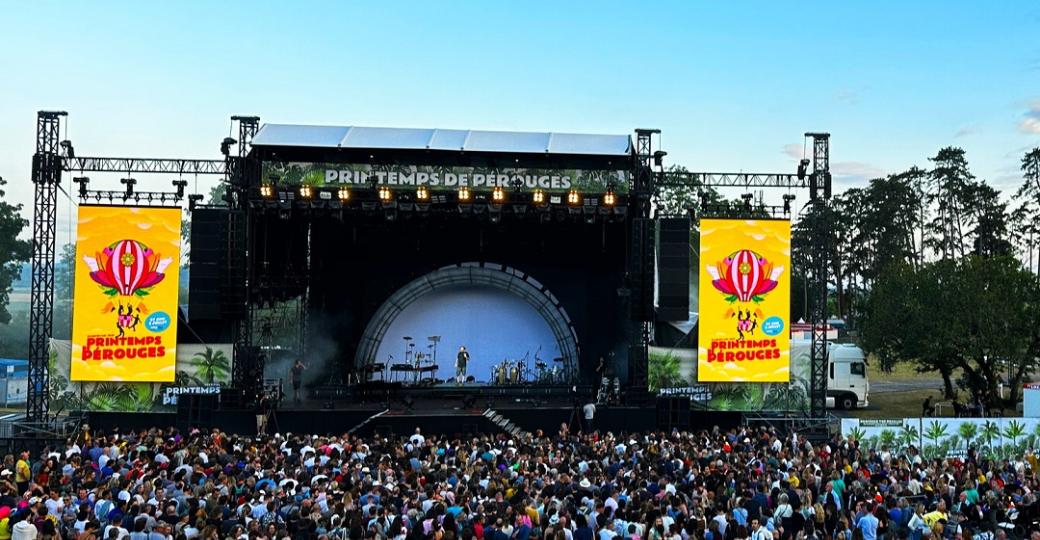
367 420
504 423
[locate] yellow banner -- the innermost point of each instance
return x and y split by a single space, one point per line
124 324
745 301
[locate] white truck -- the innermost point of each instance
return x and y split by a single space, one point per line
847 385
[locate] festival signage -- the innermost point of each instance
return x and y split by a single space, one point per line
744 301
124 325
445 177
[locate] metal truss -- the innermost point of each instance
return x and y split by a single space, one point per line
820 192
46 177
144 165
744 180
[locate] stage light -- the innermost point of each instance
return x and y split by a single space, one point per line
225 145
787 203
704 202
267 190
422 193
464 194
83 181
180 185
659 158
803 165
70 152
129 183
609 198
344 194
498 195
573 197
538 197
385 194
306 191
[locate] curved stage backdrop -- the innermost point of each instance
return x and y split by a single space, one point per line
367 273
492 324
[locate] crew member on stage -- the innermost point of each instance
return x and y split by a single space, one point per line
460 365
296 374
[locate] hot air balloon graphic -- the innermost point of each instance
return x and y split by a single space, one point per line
745 276
128 270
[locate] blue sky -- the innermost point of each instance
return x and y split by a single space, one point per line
732 85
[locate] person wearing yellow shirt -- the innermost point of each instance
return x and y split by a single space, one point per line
22 473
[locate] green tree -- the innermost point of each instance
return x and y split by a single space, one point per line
663 371
13 251
990 431
968 432
1014 430
936 430
211 365
909 435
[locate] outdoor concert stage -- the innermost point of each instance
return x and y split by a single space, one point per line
432 416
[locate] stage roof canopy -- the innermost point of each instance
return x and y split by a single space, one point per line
511 142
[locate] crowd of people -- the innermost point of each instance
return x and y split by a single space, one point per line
747 483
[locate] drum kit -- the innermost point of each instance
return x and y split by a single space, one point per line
509 372
419 365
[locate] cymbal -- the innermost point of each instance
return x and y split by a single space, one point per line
407 338
560 359
434 339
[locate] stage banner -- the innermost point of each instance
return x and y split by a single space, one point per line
744 297
445 177
124 324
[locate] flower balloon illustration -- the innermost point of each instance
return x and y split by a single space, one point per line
744 276
127 268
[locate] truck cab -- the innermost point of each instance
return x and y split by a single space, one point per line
847 385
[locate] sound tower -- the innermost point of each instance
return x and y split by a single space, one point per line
641 269
673 293
208 262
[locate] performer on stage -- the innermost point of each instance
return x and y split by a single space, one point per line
460 365
296 374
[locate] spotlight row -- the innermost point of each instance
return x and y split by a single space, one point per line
465 195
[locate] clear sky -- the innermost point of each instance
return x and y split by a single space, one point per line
733 85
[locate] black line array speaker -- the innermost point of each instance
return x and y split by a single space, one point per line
641 269
208 263
673 412
673 292
195 411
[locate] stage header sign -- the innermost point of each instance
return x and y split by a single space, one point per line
745 301
124 325
446 178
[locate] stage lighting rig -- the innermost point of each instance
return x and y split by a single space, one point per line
344 194
538 197
422 193
747 197
83 182
226 144
498 195
180 185
573 197
385 194
659 158
129 183
267 190
306 191
610 197
464 194
787 203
